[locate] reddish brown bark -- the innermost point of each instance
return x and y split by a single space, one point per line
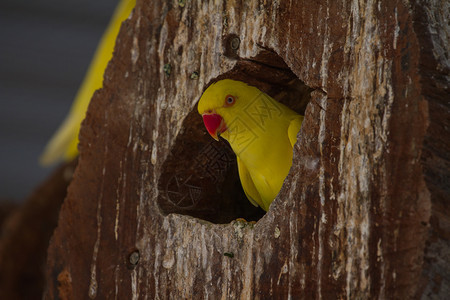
25 235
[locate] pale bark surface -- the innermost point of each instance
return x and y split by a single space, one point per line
148 212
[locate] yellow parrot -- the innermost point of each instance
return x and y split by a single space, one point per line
63 144
261 131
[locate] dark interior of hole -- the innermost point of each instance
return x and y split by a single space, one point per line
200 177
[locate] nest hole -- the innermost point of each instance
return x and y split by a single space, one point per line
200 176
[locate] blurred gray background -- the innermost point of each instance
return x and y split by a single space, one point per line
45 49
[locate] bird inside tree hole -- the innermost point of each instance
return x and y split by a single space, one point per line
200 177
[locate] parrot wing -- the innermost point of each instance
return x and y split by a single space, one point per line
248 185
294 128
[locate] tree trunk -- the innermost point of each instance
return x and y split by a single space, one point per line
364 211
25 234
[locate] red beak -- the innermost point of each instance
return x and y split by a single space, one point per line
215 124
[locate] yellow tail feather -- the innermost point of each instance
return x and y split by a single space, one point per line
63 144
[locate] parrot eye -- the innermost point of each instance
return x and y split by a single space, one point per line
229 100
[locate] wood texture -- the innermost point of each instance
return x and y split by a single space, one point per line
143 214
25 235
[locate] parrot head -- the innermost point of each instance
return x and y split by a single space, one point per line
221 102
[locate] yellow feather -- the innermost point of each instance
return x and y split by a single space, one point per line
261 132
63 144
293 129
249 187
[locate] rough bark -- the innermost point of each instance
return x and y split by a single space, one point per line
148 212
433 29
25 235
